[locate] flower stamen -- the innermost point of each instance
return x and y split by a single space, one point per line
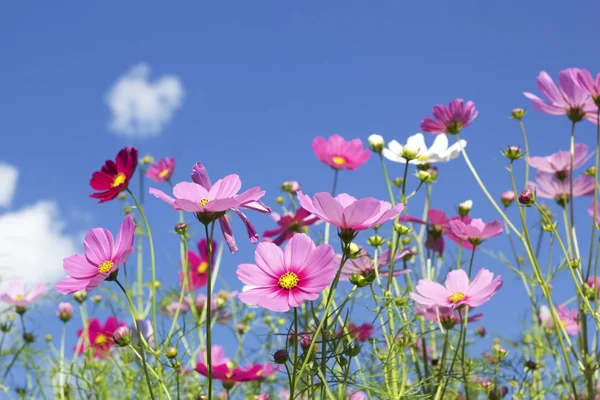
119 179
105 267
288 281
456 297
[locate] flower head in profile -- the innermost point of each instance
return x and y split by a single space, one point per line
475 231
340 154
114 176
289 225
99 337
365 266
559 163
286 278
548 186
198 266
161 170
16 296
450 119
567 99
223 369
103 256
569 319
360 333
146 330
458 291
448 317
209 202
591 86
416 152
169 308
347 213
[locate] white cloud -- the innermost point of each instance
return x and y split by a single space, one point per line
140 107
8 177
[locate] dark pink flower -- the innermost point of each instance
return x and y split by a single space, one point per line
15 296
360 333
161 170
560 163
448 317
339 154
450 119
198 266
289 225
569 99
99 337
475 231
224 370
548 186
114 176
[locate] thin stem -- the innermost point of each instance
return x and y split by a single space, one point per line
335 180
471 261
12 362
595 211
209 238
387 179
293 382
526 152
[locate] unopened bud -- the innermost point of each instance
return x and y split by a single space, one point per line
398 182
518 113
574 263
507 198
425 176
591 171
465 207
80 296
48 338
402 229
401 301
4 327
122 336
513 153
290 187
28 337
181 228
377 143
147 160
65 311
352 349
499 351
375 241
487 385
361 280
171 352
127 210
353 251
121 196
406 240
530 365
281 322
409 152
281 356
527 197
279 200
97 298
480 331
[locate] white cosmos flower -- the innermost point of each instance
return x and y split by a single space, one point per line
438 152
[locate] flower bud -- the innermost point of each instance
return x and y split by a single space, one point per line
499 351
530 365
242 328
97 298
465 207
518 113
513 153
10 316
279 200
48 338
401 301
487 385
527 198
122 196
377 143
406 240
361 280
574 263
281 322
28 337
20 310
433 172
171 352
127 210
352 349
402 229
591 171
181 228
281 356
375 241
147 160
398 182
80 296
292 187
65 311
122 336
227 385
425 176
353 251
507 198
5 327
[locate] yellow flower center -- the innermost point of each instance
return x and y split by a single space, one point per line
438 228
164 173
259 372
119 179
563 323
203 202
105 267
20 297
100 339
423 157
288 281
338 160
456 297
202 267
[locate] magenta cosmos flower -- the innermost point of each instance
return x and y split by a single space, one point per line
451 119
475 231
347 213
548 186
365 265
360 333
569 319
208 201
559 163
281 279
16 296
198 266
448 317
225 370
161 170
289 225
103 256
339 154
98 336
114 176
458 291
568 99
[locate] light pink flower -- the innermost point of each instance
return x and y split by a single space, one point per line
15 296
289 225
448 317
365 265
339 154
458 290
548 186
587 83
450 119
569 99
356 395
559 163
475 231
208 201
569 319
170 308
161 170
103 255
281 279
347 213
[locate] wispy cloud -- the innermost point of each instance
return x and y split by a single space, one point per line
140 107
8 177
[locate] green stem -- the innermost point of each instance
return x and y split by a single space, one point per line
335 180
471 261
526 153
209 238
293 382
594 216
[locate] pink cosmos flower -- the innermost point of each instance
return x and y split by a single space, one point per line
507 198
347 213
339 154
559 163
356 395
590 210
170 308
209 201
161 170
220 315
65 311
224 370
103 255
365 265
451 119
548 186
570 99
145 329
15 296
587 83
448 317
458 291
475 231
100 337
281 279
360 333
289 225
569 319
198 266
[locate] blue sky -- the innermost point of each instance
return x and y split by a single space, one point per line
262 79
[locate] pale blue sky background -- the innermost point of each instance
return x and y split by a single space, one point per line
263 78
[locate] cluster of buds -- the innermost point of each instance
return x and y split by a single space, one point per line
427 176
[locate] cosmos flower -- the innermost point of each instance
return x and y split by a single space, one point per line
161 170
339 154
360 333
475 231
198 266
114 176
289 225
145 329
569 319
592 87
438 152
458 290
548 186
65 311
365 265
281 279
223 369
448 317
450 119
16 296
559 163
99 337
169 309
103 255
